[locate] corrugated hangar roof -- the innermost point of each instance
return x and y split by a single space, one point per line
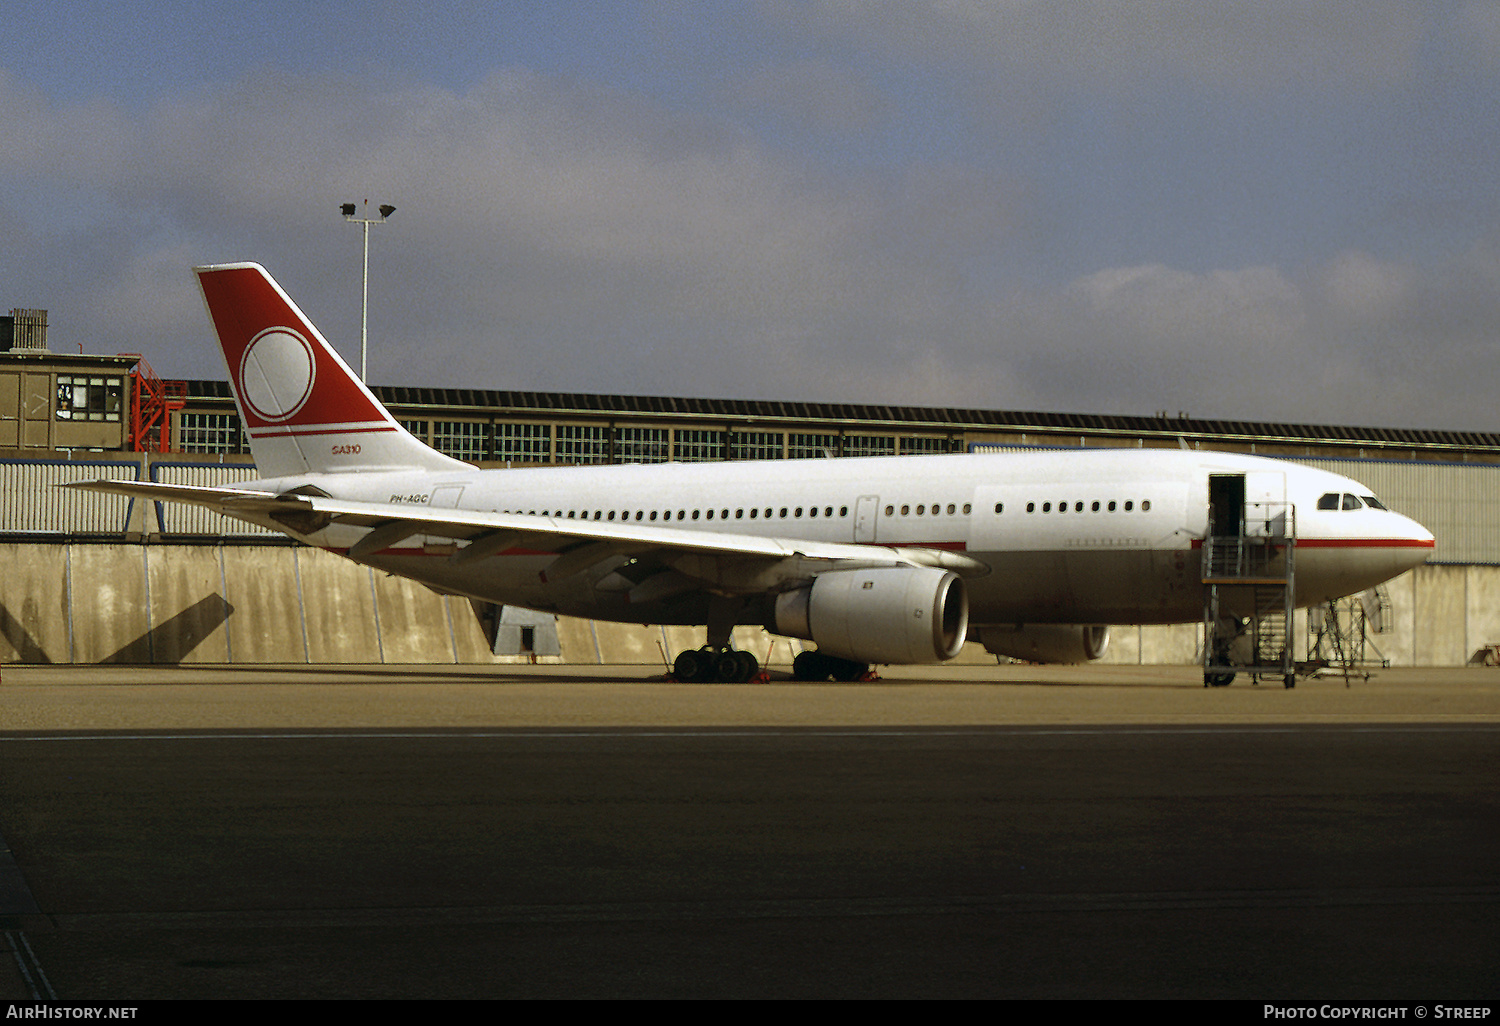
471 401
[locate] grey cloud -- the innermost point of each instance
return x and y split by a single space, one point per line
559 237
1236 44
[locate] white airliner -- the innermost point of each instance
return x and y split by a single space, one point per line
876 560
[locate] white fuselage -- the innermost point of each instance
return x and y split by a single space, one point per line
1063 536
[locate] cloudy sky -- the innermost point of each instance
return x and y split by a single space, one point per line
1266 209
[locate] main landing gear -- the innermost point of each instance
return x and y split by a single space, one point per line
709 665
716 662
716 665
817 666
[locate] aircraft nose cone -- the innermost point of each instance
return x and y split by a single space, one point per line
1420 543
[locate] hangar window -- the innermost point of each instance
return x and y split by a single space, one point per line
807 447
461 439
641 445
211 432
582 443
869 445
689 445
913 444
523 443
755 445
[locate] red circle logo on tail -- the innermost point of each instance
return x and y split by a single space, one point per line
276 373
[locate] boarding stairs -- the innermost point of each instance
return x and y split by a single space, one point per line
1249 595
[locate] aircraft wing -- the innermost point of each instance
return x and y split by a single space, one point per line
721 559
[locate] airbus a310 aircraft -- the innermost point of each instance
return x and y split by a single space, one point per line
876 560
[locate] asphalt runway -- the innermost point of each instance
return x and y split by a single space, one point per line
423 832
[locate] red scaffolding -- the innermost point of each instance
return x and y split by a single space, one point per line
152 402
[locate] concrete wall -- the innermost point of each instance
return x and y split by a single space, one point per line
72 602
128 603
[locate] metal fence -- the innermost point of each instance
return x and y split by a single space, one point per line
32 504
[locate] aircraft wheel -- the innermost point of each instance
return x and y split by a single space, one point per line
749 666
728 668
809 666
848 669
1217 680
691 667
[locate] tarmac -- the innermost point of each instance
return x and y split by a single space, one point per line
498 832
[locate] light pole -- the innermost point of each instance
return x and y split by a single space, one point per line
350 211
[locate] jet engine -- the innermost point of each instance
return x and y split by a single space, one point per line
1047 642
895 614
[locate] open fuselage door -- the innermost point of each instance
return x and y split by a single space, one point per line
1248 576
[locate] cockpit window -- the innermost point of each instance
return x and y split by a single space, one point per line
1333 500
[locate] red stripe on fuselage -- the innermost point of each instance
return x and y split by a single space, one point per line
1350 543
1364 543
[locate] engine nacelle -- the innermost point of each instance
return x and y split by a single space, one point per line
1047 642
893 614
